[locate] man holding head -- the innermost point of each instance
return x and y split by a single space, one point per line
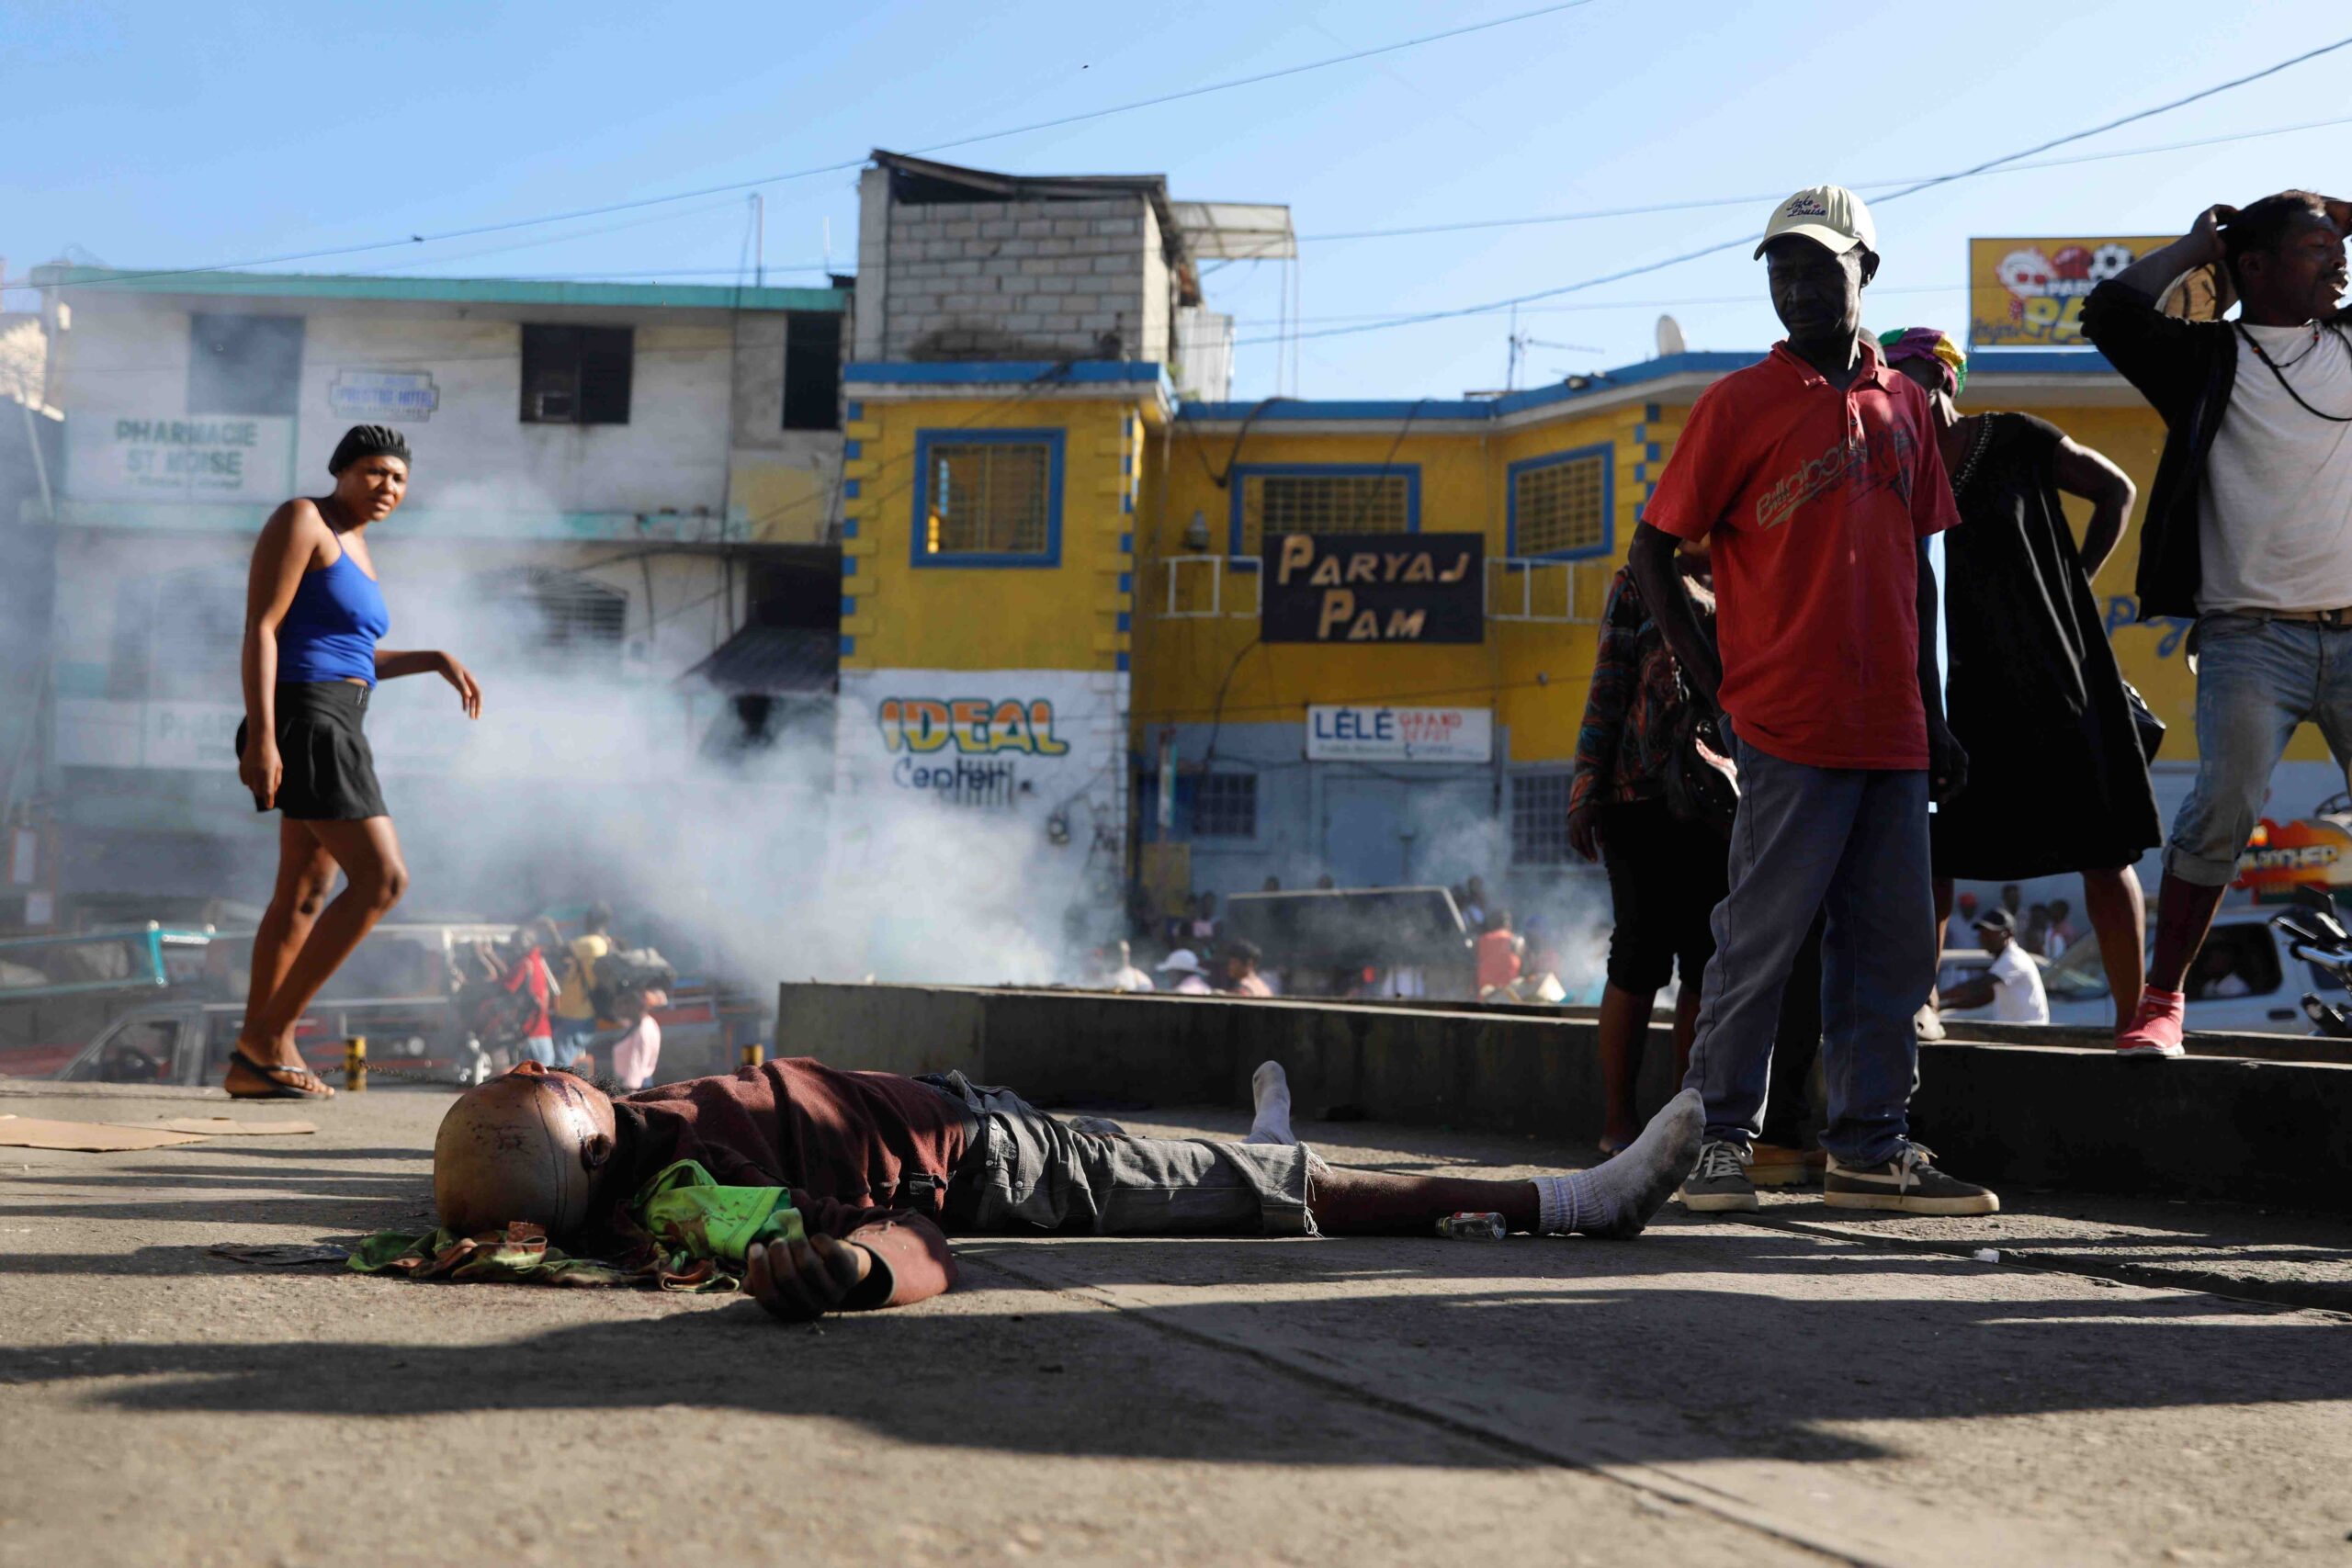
1817 474
2249 531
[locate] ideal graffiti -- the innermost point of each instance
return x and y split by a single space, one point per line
979 727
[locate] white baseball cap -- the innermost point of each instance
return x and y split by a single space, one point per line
1828 215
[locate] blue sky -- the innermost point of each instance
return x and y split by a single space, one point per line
146 135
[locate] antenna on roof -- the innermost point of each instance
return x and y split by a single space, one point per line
1670 337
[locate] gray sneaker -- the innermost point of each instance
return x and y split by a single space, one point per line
1907 1184
1720 1183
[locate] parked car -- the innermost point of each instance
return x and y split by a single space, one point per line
2245 980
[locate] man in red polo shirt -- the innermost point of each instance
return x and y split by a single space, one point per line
1817 476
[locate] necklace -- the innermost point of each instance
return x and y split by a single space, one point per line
1976 452
2281 375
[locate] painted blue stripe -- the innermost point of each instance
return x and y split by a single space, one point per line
1127 582
849 566
1126 621
1290 410
856 410
849 645
1652 450
849 489
1127 505
1123 664
849 528
851 450
1126 543
849 605
973 372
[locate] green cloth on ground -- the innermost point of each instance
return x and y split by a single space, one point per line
684 1232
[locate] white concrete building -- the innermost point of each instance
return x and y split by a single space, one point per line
610 483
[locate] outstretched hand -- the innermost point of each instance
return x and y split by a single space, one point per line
800 1282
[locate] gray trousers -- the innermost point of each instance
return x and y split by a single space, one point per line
1850 843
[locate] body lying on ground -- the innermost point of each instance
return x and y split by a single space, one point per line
882 1168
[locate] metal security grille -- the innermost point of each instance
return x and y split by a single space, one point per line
1225 805
989 497
1559 507
1323 503
1539 819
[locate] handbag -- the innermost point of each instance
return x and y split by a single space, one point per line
2145 722
1701 778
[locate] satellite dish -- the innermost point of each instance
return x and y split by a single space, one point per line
1670 337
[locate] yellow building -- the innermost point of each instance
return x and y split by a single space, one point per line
1052 578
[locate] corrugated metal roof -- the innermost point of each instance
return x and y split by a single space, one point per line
774 661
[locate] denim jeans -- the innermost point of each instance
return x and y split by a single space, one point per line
1849 844
571 1038
2256 680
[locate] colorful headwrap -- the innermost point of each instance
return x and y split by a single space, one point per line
1927 343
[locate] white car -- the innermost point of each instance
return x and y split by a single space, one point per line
2245 981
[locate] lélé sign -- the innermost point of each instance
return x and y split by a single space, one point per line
1372 588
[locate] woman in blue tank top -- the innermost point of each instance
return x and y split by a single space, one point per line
314 616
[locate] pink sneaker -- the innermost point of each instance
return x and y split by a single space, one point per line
2156 1029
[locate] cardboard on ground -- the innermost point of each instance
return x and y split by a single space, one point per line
223 1127
87 1137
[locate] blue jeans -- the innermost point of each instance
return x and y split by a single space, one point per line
1850 843
572 1037
2256 680
536 1048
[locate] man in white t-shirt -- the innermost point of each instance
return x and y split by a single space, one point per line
2248 530
2013 984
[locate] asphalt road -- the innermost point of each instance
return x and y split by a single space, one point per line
1792 1389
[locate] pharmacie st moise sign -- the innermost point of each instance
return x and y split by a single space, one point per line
1372 588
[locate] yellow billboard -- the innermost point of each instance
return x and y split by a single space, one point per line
2030 293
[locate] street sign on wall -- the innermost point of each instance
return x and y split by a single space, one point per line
1372 588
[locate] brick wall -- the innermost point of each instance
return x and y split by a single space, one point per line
1022 280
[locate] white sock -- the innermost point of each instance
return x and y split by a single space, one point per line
1618 1197
1270 1087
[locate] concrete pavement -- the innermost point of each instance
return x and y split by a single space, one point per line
1796 1388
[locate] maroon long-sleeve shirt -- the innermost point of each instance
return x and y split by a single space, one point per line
857 1150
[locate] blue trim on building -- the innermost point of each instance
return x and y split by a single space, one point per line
853 412
2039 362
980 372
849 489
1123 664
1127 506
1242 473
1126 621
1052 438
852 450
849 645
1127 582
1126 543
849 528
440 290
1604 450
849 566
849 605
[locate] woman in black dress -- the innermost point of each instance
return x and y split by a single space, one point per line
2057 779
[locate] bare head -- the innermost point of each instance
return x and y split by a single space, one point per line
371 469
530 1145
2286 254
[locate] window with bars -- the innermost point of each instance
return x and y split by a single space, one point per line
1539 819
1559 504
1323 500
577 375
1225 805
987 498
572 617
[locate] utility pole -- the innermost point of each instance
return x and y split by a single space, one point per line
759 239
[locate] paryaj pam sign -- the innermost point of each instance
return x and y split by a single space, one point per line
1374 588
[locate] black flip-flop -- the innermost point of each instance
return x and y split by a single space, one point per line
276 1078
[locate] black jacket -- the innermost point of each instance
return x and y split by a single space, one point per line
2185 371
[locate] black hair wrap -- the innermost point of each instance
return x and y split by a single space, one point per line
367 441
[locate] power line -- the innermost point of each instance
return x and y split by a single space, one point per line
733 187
1698 204
1748 238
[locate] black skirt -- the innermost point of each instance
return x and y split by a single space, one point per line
330 772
